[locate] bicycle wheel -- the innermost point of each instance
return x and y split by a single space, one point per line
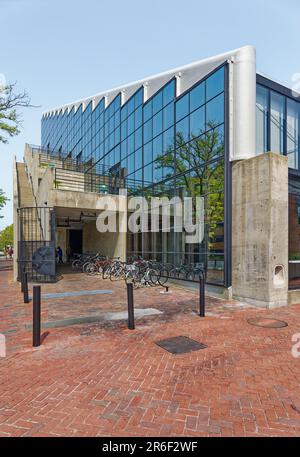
106 272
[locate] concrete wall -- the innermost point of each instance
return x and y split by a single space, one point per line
260 234
108 244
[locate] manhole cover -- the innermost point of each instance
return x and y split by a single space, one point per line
180 345
267 322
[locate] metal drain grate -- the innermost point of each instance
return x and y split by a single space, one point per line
180 345
267 322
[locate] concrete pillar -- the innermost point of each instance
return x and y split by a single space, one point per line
260 230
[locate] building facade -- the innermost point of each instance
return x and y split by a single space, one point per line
190 131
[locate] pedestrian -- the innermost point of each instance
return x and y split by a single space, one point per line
59 254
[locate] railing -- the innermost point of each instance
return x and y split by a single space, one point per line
65 179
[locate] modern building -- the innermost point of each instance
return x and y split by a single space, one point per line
215 128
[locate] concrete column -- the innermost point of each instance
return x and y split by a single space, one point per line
260 230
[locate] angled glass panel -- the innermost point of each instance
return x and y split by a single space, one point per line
197 122
168 116
147 111
157 146
215 112
197 96
148 157
182 130
148 131
169 92
182 107
215 84
157 102
277 122
293 131
261 118
157 124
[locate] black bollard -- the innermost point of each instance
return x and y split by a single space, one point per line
202 295
22 279
130 306
36 317
25 288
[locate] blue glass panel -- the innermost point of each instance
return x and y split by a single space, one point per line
197 96
148 153
148 131
215 112
138 117
157 171
168 116
169 92
182 107
157 146
148 174
139 177
124 130
130 144
262 102
117 135
215 84
168 139
117 154
147 111
138 159
182 130
157 102
138 138
197 122
130 106
130 123
131 160
139 98
277 122
157 124
117 117
123 112
124 149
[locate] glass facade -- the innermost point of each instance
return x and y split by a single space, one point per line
278 130
277 124
169 146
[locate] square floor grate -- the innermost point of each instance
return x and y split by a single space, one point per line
180 345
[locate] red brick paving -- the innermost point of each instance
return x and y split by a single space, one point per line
101 379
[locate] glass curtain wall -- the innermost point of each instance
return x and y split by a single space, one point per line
168 146
277 124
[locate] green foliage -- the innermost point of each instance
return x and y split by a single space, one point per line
3 200
7 236
200 164
10 119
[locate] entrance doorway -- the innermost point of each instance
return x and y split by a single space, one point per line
75 242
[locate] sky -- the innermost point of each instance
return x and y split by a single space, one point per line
64 50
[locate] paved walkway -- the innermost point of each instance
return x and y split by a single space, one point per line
100 379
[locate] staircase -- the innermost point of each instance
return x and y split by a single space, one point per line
26 198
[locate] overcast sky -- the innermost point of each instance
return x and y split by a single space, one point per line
64 50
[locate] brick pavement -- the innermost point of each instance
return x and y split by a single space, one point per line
101 379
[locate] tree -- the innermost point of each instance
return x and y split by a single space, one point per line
3 200
10 118
7 236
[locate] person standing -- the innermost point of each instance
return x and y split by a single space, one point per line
59 254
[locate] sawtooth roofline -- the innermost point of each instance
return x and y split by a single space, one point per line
186 75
